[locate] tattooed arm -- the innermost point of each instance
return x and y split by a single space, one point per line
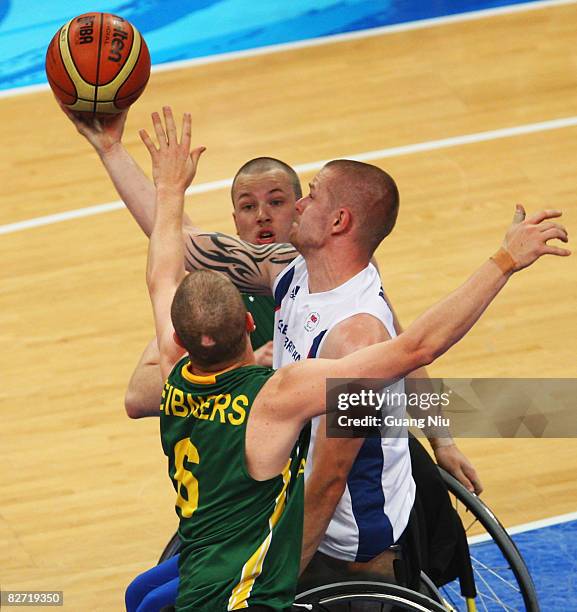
252 268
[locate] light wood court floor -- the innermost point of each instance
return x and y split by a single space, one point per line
86 503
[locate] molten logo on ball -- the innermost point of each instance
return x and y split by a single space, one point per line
117 44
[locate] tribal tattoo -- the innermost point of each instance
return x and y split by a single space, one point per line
249 266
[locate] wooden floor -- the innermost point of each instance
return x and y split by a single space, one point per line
86 503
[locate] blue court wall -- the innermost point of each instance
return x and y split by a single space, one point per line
186 29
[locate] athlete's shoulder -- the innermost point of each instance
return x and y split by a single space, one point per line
353 333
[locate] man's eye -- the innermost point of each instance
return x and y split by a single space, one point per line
276 202
247 207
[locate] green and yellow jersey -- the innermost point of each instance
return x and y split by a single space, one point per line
262 309
241 538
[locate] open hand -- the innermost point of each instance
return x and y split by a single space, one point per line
173 164
526 240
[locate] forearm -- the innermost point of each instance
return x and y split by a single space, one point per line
432 334
135 189
166 251
332 461
322 495
142 398
525 241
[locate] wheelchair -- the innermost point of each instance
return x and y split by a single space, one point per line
499 578
351 596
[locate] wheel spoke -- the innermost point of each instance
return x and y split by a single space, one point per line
494 573
493 597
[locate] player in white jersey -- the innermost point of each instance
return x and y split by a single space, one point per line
379 493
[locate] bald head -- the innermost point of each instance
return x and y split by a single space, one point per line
260 165
209 318
371 195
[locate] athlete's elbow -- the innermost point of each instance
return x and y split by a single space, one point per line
133 405
419 352
327 490
153 279
425 356
132 410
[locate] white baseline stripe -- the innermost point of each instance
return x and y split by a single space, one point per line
326 40
420 147
548 522
97 209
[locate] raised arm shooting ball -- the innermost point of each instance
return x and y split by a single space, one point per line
97 63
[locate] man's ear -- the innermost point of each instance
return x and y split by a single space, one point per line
250 324
178 340
343 221
234 219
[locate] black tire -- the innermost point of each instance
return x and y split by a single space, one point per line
171 549
380 593
484 515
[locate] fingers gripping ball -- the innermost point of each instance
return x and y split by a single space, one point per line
97 63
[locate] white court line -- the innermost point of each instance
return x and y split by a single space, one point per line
420 147
326 40
548 522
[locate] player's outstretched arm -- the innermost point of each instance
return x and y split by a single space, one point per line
433 333
252 268
173 169
297 393
134 188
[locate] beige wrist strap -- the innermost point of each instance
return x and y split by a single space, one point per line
504 260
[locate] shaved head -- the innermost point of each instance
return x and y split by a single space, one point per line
260 165
370 194
209 318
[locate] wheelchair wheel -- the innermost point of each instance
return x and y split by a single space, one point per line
502 579
171 549
373 596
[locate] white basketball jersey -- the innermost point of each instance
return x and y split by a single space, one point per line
374 509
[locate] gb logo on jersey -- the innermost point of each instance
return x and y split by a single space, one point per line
312 321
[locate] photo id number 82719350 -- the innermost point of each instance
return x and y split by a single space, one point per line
31 598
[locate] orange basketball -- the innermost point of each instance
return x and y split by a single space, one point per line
97 63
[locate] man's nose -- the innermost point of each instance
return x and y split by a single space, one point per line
300 205
263 213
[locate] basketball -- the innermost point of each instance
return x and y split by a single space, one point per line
97 63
